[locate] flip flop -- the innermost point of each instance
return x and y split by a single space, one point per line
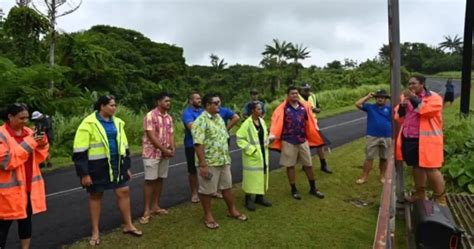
94 242
217 195
361 181
160 211
240 217
211 225
195 199
144 219
134 232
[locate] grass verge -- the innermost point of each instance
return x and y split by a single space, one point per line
333 222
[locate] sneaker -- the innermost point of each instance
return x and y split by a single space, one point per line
316 193
262 201
296 195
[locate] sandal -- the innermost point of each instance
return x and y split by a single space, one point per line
240 217
211 225
160 211
134 232
144 219
94 242
361 181
195 199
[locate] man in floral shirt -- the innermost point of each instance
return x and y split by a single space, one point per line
158 148
213 159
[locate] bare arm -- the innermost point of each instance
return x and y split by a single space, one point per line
362 100
233 121
189 125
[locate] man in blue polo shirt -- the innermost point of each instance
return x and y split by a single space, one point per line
379 132
189 115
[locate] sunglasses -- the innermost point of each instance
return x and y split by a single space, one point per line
216 102
23 105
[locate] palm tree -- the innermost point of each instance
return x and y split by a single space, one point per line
297 52
279 51
217 63
453 44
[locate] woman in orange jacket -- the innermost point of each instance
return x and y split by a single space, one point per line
22 191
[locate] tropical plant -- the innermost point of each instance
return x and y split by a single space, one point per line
217 63
297 52
279 51
453 44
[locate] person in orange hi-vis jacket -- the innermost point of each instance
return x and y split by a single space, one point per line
420 140
22 192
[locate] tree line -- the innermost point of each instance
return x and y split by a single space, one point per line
129 65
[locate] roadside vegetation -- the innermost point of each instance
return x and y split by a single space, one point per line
129 65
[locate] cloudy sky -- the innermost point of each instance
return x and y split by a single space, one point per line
237 30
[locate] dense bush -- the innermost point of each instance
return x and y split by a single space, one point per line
459 153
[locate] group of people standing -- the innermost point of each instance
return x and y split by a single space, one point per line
102 158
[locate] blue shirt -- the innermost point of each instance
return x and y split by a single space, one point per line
449 88
379 120
226 114
111 131
189 115
294 127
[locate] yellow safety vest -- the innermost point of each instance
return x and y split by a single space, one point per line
255 180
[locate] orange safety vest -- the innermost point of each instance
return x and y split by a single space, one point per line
430 149
13 193
278 121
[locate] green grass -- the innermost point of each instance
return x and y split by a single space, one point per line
451 74
310 223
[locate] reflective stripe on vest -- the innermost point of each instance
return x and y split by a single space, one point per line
82 149
252 168
97 157
36 178
27 147
6 159
434 133
13 183
79 150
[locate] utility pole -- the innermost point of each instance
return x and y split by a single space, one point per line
394 44
51 11
467 59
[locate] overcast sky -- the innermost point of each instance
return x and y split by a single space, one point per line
237 30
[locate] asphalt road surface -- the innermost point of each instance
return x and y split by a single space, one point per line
67 218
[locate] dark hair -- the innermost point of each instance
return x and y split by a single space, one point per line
207 99
420 78
13 110
254 105
291 88
191 94
103 100
162 96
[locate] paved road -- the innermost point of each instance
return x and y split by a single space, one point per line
67 217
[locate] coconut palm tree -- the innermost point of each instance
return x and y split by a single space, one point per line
452 44
279 51
297 52
217 63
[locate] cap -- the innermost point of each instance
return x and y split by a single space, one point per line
305 86
253 91
36 115
381 93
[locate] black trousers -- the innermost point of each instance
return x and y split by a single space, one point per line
24 226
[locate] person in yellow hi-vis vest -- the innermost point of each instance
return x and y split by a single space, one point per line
306 95
102 161
252 138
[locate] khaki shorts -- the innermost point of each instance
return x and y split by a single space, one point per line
377 146
292 154
155 168
221 179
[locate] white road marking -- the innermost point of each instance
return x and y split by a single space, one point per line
136 175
